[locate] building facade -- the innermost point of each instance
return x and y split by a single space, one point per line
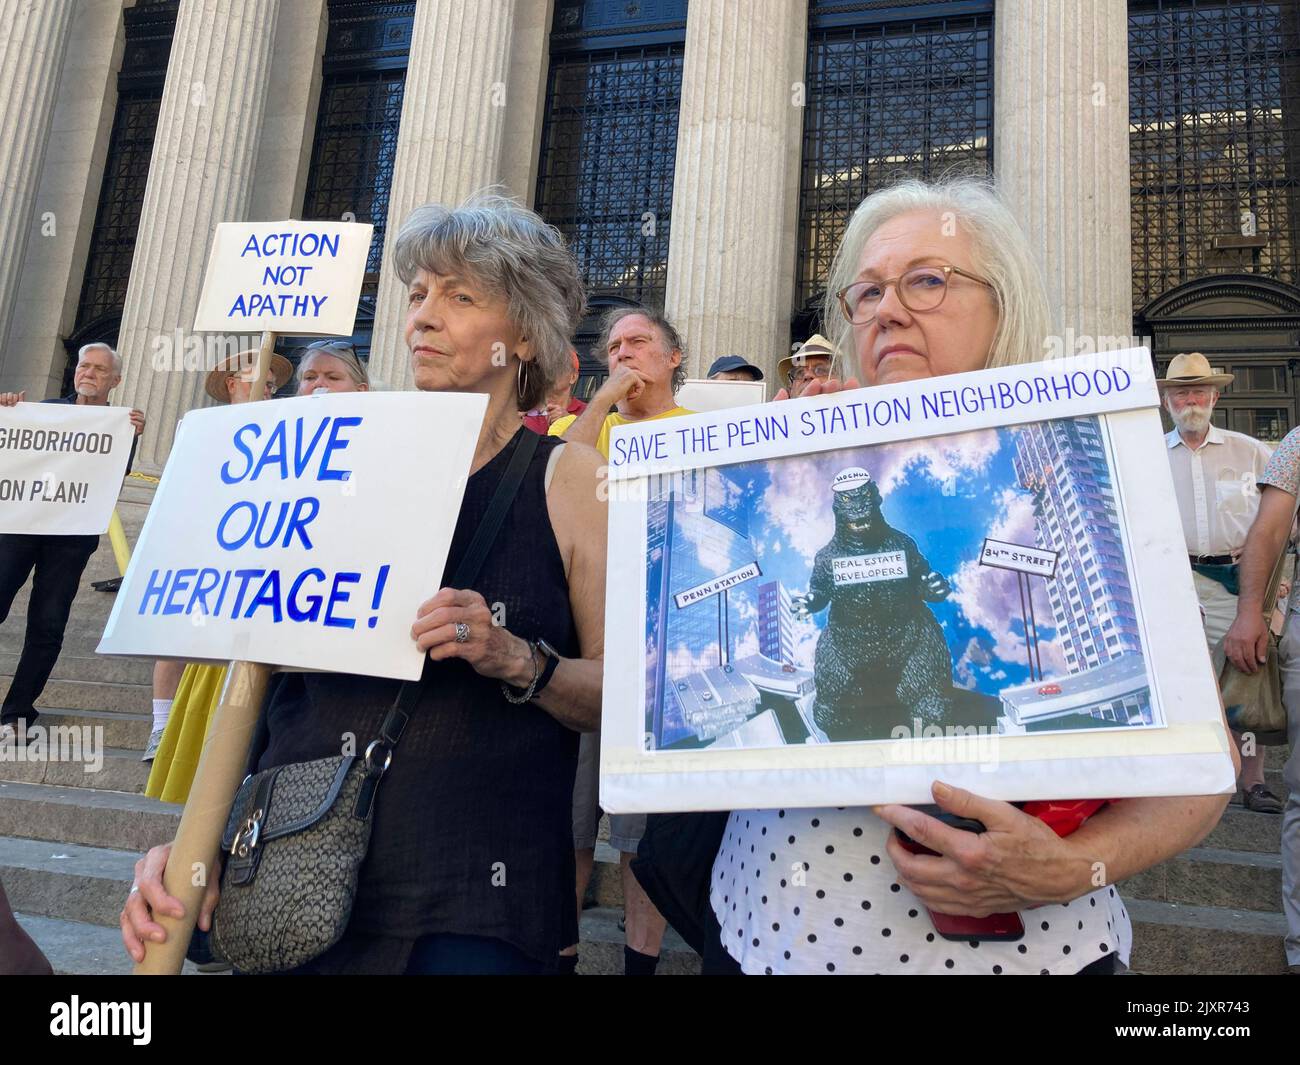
697 157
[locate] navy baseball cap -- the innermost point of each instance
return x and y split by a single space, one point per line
734 362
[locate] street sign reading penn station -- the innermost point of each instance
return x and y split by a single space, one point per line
1019 557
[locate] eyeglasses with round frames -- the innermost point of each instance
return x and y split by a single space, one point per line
920 289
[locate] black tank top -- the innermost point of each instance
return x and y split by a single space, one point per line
473 822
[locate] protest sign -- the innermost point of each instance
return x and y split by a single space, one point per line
979 578
61 467
704 395
284 277
301 532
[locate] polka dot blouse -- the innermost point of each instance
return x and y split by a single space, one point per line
814 891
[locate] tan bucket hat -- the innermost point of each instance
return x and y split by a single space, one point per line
1193 369
215 385
814 345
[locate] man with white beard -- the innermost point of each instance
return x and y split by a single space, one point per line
1215 471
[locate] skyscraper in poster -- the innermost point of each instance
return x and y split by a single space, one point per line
775 622
1063 463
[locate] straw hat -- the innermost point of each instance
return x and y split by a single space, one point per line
814 345
1193 369
215 385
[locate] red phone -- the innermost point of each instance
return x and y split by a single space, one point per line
1007 927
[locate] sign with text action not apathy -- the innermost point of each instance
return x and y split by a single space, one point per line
286 277
300 532
61 467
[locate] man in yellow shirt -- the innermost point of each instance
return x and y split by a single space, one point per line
644 353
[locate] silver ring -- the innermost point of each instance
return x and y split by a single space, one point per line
135 890
462 632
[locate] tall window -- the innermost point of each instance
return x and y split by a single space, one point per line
1214 107
351 171
609 140
889 93
149 30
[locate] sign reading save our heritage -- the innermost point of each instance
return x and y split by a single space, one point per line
61 467
286 277
846 597
297 533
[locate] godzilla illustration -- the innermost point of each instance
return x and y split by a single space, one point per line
882 659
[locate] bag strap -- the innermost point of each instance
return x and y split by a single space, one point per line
471 563
1270 598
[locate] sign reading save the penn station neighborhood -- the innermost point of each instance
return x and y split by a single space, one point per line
286 277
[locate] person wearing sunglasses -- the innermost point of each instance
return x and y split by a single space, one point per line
331 366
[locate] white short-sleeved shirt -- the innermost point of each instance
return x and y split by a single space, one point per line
1215 488
847 913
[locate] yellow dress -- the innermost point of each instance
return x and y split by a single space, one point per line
187 728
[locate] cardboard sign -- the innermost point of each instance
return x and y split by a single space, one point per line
905 627
61 467
300 532
704 395
287 277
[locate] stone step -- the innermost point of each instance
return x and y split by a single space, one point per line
67 881
76 949
600 950
70 666
1208 876
1275 757
92 695
85 816
1204 940
126 731
1244 830
119 769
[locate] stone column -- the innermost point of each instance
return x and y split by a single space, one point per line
449 142
1060 141
33 42
33 357
728 291
201 173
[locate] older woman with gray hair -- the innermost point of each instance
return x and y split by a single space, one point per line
932 280
470 864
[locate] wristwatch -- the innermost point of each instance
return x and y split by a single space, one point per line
552 658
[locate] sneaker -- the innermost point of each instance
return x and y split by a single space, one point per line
155 741
1261 800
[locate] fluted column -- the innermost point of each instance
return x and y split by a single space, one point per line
201 173
728 288
33 42
449 141
1061 145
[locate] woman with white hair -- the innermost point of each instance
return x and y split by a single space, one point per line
470 861
932 280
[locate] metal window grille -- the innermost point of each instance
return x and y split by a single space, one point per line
605 173
351 172
898 98
1214 141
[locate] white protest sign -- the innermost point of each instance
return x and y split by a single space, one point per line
704 395
1019 557
1102 383
61 467
287 277
300 532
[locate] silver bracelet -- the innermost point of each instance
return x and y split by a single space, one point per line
532 688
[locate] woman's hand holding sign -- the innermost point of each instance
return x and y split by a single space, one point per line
458 624
1018 861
